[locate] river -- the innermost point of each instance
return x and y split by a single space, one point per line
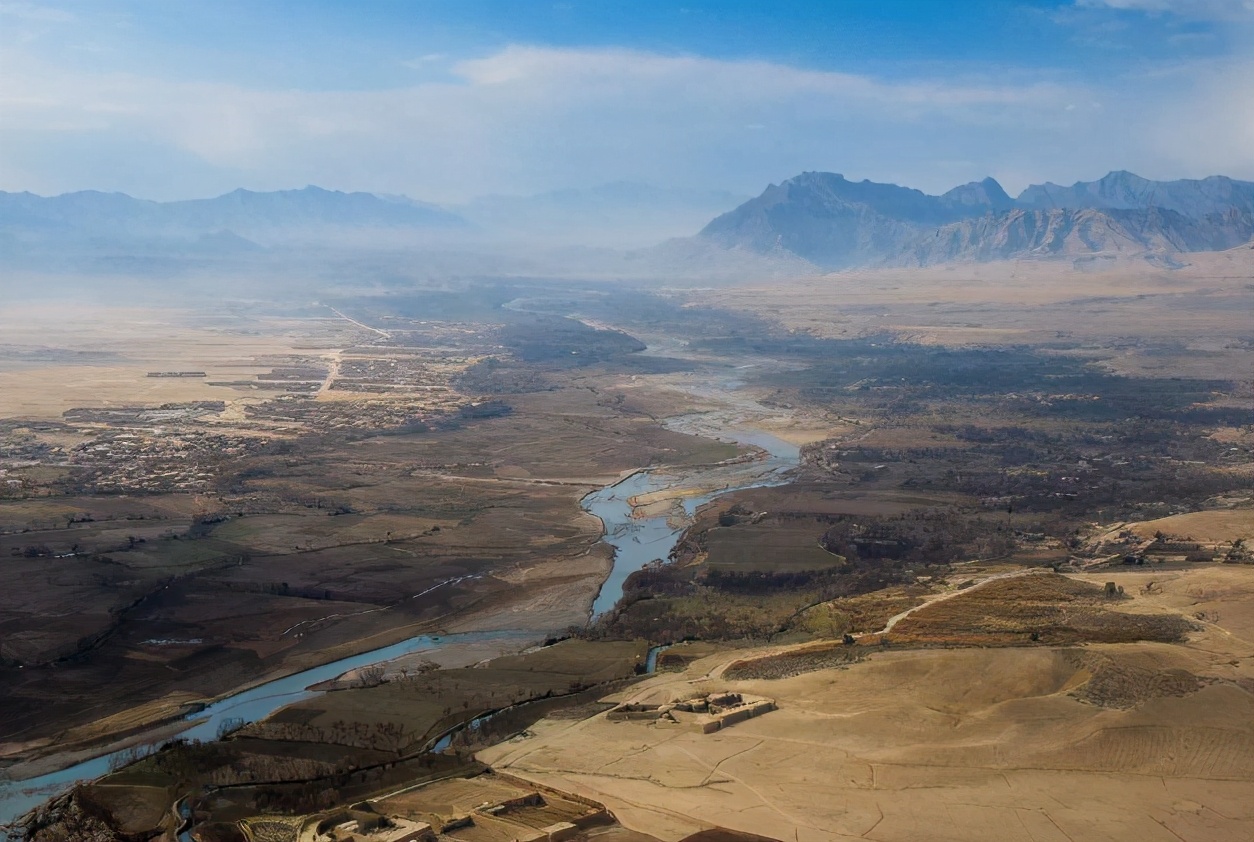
17 797
636 541
640 540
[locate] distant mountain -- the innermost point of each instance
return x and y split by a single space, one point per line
980 196
813 222
833 222
1122 190
244 209
245 214
618 213
1063 232
836 223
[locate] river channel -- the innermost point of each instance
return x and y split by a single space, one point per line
637 540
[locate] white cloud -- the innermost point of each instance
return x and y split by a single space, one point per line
527 119
1201 9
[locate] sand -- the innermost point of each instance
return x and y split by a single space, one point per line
958 744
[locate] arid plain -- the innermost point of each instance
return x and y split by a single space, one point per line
947 726
983 449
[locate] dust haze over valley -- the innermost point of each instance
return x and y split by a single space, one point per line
589 459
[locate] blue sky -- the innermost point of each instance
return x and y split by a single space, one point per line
447 99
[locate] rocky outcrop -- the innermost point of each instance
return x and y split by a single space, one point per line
1122 190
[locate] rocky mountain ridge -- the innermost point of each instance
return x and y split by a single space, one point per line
835 223
813 221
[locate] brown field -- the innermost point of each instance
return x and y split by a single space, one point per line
1224 525
339 501
862 614
299 546
781 548
138 810
1048 608
968 744
1017 301
100 357
423 705
1218 598
381 732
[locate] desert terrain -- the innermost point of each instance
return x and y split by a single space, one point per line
511 421
1003 593
1098 741
300 497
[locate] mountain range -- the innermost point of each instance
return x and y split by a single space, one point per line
816 219
243 213
835 223
618 215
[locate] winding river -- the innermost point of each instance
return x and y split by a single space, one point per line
17 797
637 540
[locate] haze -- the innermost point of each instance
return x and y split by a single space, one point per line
488 421
447 101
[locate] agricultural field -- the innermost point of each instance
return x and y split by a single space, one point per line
1017 523
236 530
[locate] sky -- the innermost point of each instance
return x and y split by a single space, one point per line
445 100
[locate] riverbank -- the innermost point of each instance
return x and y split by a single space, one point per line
635 542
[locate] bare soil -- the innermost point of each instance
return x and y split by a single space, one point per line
948 744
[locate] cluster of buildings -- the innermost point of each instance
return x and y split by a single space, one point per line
705 714
486 808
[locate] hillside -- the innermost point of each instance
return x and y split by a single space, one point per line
828 220
836 223
1126 191
1063 232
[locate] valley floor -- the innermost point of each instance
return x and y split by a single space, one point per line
947 744
1006 594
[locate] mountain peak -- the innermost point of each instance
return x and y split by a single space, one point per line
811 176
986 193
831 221
1123 177
836 223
